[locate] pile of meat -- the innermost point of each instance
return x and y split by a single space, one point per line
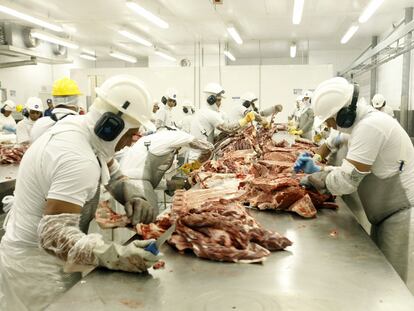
253 162
12 154
214 228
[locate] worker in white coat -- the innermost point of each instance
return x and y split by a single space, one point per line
188 111
248 103
379 103
379 164
65 94
46 234
34 107
164 117
305 122
7 122
151 156
208 118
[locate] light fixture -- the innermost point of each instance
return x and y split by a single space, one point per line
88 56
229 55
297 11
124 57
165 55
370 10
147 15
234 34
87 51
293 50
30 19
135 37
348 35
42 35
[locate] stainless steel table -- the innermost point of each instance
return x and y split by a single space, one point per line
332 265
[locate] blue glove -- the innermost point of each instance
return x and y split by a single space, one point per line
306 164
9 128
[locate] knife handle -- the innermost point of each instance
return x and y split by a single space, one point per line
152 248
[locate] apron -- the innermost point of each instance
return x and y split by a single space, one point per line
391 215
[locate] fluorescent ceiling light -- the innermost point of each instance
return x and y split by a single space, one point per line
166 56
87 51
87 56
370 10
297 11
135 37
229 55
30 19
293 50
147 15
122 56
234 34
42 35
348 35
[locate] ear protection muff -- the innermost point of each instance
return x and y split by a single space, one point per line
110 125
2 109
345 117
185 109
246 104
211 100
164 100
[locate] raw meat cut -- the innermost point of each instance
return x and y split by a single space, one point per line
106 218
220 230
12 154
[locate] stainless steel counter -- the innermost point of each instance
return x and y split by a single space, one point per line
332 265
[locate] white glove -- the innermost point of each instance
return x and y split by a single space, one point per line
130 258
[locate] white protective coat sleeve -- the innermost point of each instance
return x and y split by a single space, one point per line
60 235
344 179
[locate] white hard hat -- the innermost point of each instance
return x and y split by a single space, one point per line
214 88
9 105
248 96
120 89
308 94
172 94
330 96
34 103
378 101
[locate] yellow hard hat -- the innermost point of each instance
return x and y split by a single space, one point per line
65 87
19 108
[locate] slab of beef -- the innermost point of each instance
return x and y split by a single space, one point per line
221 230
106 218
12 154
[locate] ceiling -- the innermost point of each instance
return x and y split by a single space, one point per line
268 21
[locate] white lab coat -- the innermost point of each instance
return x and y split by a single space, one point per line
23 130
8 121
165 117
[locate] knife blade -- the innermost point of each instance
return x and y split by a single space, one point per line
154 247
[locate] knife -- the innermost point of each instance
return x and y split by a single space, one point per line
154 247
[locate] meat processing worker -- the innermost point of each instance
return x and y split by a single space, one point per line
155 108
7 123
46 233
248 103
208 118
48 111
146 162
65 94
379 164
35 108
379 103
306 118
188 110
294 117
164 116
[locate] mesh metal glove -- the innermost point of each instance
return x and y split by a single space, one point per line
140 211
